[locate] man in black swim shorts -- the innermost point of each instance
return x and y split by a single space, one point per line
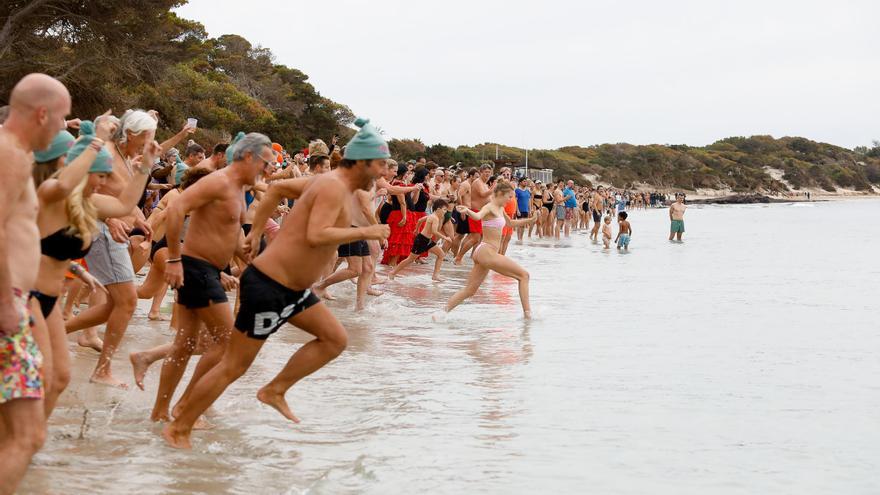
213 236
276 288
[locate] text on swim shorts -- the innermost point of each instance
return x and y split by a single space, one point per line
267 322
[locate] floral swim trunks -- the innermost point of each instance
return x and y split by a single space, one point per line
21 363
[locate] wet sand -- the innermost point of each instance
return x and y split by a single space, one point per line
742 361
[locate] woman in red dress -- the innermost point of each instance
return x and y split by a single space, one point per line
402 223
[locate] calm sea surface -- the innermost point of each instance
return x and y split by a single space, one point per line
744 360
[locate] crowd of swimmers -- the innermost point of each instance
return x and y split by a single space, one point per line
81 216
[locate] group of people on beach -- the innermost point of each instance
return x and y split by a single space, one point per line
81 216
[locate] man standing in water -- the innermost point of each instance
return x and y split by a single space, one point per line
276 288
37 107
480 194
570 206
215 208
676 215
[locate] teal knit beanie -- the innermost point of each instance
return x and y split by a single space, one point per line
103 163
230 150
367 144
60 145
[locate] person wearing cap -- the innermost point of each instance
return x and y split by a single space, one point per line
68 223
276 287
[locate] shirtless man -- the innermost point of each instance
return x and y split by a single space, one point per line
217 160
276 288
676 217
109 259
479 195
462 226
216 208
38 105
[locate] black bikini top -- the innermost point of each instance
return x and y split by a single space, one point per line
63 246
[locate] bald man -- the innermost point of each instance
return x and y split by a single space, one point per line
37 108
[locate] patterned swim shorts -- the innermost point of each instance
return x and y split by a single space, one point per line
21 363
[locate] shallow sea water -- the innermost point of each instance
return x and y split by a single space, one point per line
744 360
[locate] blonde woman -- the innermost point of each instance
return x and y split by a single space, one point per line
68 218
486 255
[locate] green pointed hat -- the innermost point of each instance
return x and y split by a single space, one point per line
59 146
230 150
103 163
367 144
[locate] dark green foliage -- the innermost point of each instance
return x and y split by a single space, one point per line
138 53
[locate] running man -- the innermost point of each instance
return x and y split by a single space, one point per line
216 210
276 288
676 217
37 107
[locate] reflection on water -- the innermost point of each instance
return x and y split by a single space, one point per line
743 360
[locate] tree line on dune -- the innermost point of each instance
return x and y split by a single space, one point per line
740 164
140 54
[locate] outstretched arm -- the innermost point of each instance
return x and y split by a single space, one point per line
518 223
74 172
476 215
321 229
173 140
287 188
110 207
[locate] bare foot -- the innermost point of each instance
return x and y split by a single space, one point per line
323 294
527 315
139 365
457 261
373 292
95 343
203 424
277 402
158 317
175 439
109 381
438 279
157 417
377 280
391 276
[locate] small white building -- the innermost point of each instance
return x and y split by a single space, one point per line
544 175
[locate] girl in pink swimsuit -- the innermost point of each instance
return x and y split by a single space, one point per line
486 256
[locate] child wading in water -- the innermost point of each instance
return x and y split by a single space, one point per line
424 241
606 232
624 231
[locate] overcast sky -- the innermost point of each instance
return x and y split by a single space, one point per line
550 73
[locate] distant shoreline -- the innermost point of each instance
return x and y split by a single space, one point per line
749 198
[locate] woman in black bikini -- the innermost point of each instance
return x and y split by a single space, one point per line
67 219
